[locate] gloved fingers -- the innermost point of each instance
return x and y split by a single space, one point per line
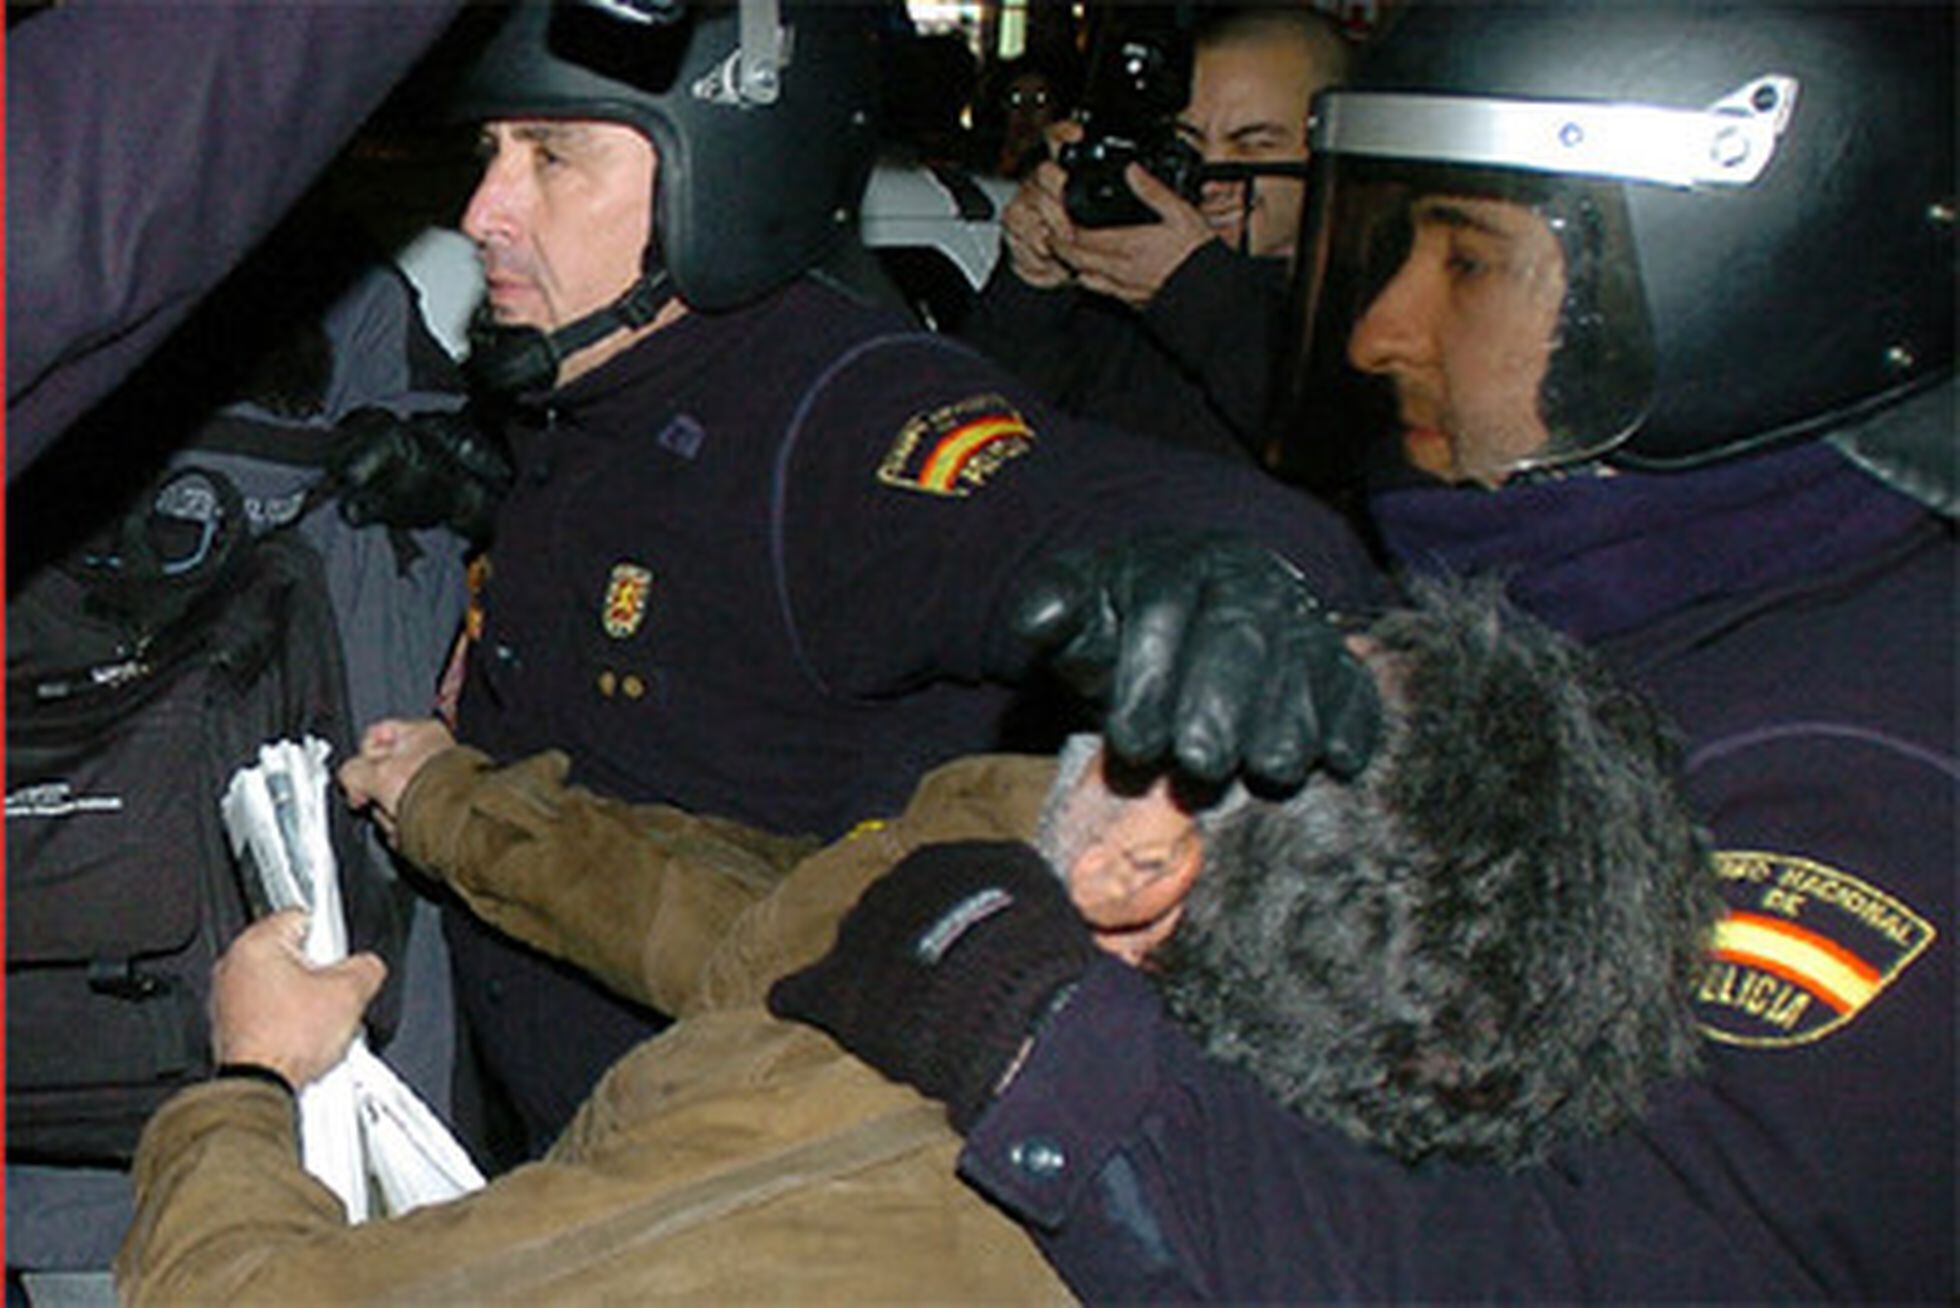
1089 659
817 995
1051 604
915 980
915 897
366 450
1283 737
367 462
365 442
355 510
837 991
1350 710
1224 678
1064 610
887 931
1150 657
471 452
1319 706
417 471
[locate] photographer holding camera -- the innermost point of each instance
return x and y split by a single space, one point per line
1136 289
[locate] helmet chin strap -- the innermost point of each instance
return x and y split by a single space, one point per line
509 361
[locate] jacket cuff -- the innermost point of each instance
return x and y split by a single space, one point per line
440 799
1082 1090
1023 304
255 1072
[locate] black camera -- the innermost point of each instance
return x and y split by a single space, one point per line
1096 193
1130 110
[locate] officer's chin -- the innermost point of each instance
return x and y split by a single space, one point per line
1430 451
513 308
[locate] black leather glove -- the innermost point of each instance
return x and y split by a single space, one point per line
1210 647
426 470
944 967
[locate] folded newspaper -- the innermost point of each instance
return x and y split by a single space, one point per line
363 1132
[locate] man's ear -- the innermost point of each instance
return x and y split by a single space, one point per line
1134 915
1141 867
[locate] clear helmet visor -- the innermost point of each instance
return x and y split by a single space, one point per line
1469 323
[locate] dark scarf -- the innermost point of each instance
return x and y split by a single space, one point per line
1597 556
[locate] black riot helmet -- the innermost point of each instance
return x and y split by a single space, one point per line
760 113
1753 206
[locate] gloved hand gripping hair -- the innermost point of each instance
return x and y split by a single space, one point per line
1211 648
944 967
1489 945
425 470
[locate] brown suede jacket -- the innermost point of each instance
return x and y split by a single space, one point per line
733 1158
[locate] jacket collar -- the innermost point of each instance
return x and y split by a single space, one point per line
1597 556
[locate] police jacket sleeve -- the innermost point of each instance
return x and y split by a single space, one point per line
636 895
1147 1173
151 147
1220 315
1833 979
924 484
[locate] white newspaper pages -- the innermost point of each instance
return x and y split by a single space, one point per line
363 1132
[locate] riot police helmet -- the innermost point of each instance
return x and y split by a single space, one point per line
761 114
1727 226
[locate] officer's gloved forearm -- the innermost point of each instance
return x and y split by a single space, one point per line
944 968
425 470
1209 648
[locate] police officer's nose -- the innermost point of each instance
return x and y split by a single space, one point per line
490 216
1391 333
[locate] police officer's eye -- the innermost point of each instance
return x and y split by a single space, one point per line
1466 261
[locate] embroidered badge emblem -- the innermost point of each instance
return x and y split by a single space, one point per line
953 451
626 599
1804 949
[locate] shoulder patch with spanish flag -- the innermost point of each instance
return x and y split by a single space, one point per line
954 451
1803 950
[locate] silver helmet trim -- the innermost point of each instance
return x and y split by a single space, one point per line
1730 143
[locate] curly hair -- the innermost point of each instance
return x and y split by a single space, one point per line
1486 944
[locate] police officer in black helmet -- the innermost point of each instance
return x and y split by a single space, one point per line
766 548
1648 310
1745 258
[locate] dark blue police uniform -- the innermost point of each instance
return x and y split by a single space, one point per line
757 566
1798 620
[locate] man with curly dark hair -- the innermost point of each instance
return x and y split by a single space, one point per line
1486 944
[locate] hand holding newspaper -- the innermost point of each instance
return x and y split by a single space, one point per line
363 1132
